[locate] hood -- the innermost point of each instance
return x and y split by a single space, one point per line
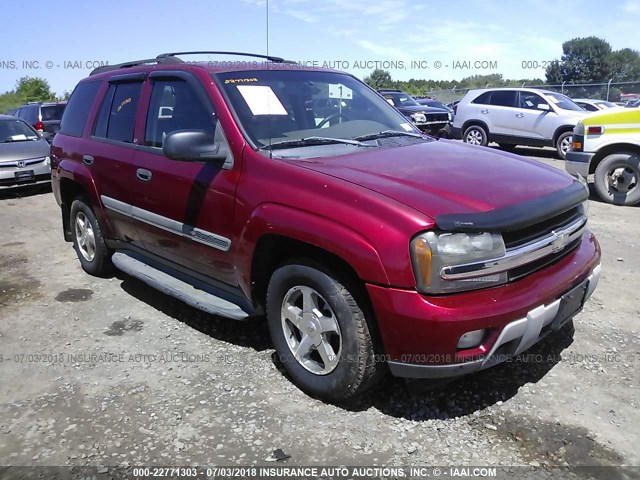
573 113
613 116
420 108
14 151
444 177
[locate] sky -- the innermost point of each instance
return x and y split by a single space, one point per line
409 38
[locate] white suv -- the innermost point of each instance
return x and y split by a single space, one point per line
517 116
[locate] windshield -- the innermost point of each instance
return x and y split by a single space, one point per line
400 100
16 130
604 104
283 106
560 101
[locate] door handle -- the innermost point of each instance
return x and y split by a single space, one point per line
484 110
144 175
519 115
88 159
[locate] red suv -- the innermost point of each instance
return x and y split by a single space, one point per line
368 245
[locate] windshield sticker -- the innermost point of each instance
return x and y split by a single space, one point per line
261 100
407 127
340 91
240 80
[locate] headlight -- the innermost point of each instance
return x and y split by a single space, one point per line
431 251
418 117
47 160
585 204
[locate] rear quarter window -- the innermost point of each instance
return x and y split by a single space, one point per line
77 110
483 99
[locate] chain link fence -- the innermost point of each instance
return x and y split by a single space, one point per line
611 91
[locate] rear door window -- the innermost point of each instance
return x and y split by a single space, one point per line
503 98
117 117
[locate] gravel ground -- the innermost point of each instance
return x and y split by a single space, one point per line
110 372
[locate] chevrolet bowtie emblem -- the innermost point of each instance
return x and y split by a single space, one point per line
560 242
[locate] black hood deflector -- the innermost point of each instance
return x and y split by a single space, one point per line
516 217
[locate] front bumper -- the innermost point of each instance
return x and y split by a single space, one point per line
420 334
31 174
514 339
577 163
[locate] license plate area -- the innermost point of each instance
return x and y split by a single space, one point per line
570 304
25 175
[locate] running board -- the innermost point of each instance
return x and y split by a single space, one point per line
182 290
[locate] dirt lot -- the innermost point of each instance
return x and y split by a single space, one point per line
108 372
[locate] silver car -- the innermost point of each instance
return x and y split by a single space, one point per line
517 116
24 154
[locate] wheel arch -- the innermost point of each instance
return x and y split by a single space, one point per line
474 122
607 150
560 130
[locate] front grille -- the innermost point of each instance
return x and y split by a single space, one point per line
14 164
437 117
529 268
530 234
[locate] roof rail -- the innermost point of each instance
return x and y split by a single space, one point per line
135 63
239 54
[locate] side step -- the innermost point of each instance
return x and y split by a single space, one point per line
182 290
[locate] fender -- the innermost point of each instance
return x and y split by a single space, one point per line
306 227
80 174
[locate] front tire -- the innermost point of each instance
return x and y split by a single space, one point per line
617 178
563 144
88 241
475 135
320 333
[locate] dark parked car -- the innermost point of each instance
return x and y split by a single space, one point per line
428 119
24 155
367 245
44 117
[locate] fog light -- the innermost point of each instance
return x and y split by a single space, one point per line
471 339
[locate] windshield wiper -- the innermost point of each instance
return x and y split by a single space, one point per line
387 133
310 141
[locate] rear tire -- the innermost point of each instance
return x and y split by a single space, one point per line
88 241
617 178
563 144
320 333
475 135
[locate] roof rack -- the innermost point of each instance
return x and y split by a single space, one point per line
239 54
173 58
135 63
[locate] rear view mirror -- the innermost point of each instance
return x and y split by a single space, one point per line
192 146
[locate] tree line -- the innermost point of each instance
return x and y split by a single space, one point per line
584 60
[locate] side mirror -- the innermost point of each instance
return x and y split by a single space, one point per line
192 146
543 106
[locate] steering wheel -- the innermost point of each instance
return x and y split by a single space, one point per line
331 117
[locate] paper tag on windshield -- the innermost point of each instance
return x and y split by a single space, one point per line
261 100
406 126
19 137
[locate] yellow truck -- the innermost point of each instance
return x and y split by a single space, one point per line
607 145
